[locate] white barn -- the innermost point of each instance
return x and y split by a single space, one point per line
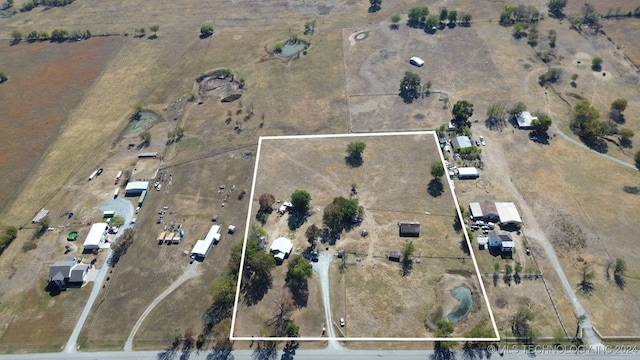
135 188
213 235
508 213
95 238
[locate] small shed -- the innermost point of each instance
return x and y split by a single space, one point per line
461 142
409 228
468 173
161 236
40 215
394 255
483 241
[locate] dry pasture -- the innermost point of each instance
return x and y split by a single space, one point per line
392 188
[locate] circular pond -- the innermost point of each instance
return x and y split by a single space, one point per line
72 236
463 294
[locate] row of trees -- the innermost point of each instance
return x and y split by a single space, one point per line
121 246
419 17
512 14
58 35
586 285
31 4
140 32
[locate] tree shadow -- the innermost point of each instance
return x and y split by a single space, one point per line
540 138
265 350
626 143
464 246
220 354
407 266
296 220
374 9
415 24
435 187
204 36
442 352
596 144
394 27
353 161
256 289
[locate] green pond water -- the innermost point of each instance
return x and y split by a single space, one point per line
291 49
463 294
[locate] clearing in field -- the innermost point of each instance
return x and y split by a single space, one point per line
366 293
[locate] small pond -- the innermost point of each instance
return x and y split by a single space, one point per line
463 294
293 48
144 121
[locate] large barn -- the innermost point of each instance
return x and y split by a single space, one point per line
505 213
135 188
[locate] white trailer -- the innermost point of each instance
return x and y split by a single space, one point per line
93 174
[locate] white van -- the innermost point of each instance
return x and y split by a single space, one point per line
416 61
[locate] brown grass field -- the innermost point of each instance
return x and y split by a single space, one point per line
70 104
377 301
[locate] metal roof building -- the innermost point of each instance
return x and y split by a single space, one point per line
461 142
524 120
95 236
136 188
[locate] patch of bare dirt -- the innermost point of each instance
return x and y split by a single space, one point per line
219 84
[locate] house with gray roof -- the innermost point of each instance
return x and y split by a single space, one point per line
461 142
67 271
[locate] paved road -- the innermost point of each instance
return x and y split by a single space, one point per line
124 208
322 268
516 354
189 272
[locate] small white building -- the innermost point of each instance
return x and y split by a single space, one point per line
96 235
525 119
281 248
468 173
213 235
482 242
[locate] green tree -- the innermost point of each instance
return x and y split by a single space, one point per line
410 86
556 7
452 17
59 35
586 121
407 263
574 77
619 105
508 14
636 159
521 328
300 200
443 14
140 32
466 19
354 151
437 169
518 30
3 77
312 234
462 111
417 15
541 124
532 37
206 30
625 136
299 270
576 23
596 64
395 20
16 36
223 290
431 23
292 330
341 213
445 328
154 28
517 108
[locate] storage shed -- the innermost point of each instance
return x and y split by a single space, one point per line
394 256
468 173
409 228
96 235
281 248
461 142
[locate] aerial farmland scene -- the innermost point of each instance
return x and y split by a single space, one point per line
319 179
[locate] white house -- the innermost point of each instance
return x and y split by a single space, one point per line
281 248
96 235
525 119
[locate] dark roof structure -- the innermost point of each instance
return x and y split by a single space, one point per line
409 228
